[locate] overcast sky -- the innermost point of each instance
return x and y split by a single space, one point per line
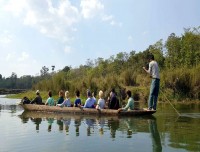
36 33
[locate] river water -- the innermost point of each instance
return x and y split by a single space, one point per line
46 132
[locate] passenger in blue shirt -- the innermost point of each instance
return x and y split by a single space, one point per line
77 101
89 103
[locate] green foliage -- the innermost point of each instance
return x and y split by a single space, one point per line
178 59
185 83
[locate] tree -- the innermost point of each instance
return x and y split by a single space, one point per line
66 69
173 54
44 71
52 68
13 80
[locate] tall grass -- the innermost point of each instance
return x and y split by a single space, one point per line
184 82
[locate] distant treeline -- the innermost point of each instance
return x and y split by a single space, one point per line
178 58
11 91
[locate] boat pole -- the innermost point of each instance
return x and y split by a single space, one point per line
170 103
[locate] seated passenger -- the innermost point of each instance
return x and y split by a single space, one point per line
93 96
67 102
89 103
130 104
61 97
113 100
50 100
77 101
25 100
101 101
38 99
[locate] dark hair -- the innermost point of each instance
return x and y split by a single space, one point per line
61 93
151 57
88 93
50 94
128 93
77 93
113 90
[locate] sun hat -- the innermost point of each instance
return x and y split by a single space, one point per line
37 91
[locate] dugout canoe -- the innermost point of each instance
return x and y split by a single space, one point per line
85 111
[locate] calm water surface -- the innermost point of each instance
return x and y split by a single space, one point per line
165 131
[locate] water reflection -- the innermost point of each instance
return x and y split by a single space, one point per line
50 122
77 123
101 122
37 122
156 142
127 125
67 122
90 125
60 124
113 125
176 134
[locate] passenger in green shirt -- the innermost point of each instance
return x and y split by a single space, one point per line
61 97
50 101
130 104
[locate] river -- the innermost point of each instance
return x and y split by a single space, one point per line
164 131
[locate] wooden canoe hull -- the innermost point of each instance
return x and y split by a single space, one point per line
85 111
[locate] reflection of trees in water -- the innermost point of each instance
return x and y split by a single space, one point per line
183 135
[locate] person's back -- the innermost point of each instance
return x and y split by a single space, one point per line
101 101
61 98
50 100
38 99
114 103
101 104
25 100
66 103
77 102
154 69
89 103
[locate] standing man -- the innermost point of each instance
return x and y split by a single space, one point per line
155 83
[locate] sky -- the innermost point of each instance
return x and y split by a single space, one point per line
37 33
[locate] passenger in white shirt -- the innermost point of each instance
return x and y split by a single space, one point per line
101 101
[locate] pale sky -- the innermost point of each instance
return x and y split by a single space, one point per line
36 33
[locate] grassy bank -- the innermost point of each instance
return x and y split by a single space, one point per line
139 93
44 94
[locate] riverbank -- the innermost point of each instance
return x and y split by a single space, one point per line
44 94
11 91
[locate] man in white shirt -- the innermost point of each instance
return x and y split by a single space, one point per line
155 83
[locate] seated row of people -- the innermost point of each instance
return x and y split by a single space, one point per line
112 102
